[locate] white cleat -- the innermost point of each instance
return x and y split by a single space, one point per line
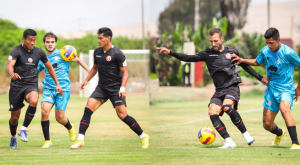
228 145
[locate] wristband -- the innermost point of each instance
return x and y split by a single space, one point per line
122 89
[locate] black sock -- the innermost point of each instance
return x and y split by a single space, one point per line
293 134
219 126
68 125
85 121
277 131
29 115
235 118
45 128
133 124
13 129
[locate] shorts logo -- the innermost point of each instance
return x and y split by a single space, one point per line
56 57
108 58
228 55
269 103
30 60
11 106
118 101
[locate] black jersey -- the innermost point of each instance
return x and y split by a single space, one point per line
220 66
109 63
26 64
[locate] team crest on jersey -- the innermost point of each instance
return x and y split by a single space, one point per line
269 103
108 58
56 57
228 55
278 61
30 60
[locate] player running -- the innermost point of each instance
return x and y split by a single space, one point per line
22 67
111 65
280 61
226 80
50 97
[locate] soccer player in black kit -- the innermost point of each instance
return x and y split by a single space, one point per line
22 67
226 80
111 65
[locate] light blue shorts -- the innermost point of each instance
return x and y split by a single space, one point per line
60 101
273 99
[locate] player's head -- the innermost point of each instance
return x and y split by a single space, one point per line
216 38
50 40
29 37
104 36
272 38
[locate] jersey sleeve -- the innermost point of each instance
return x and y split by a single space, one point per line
189 58
41 66
121 60
14 54
43 56
95 61
261 58
293 58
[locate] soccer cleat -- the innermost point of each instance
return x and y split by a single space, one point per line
72 134
77 144
295 147
13 143
228 145
47 144
249 139
23 135
145 141
278 139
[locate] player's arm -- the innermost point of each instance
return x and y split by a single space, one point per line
91 74
41 66
124 72
53 75
181 56
239 60
10 69
82 63
252 72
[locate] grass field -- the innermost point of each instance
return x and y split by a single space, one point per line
172 122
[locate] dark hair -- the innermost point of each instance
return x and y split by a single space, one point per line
106 32
28 32
215 30
272 33
50 34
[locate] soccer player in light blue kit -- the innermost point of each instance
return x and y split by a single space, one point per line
50 96
280 61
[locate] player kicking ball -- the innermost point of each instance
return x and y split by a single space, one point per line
111 65
50 96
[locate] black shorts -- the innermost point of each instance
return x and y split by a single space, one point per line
17 95
232 93
103 95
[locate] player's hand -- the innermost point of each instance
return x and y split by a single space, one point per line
237 59
297 93
163 50
15 76
59 90
265 80
82 85
122 92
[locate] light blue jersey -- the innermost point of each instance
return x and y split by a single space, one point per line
280 70
61 68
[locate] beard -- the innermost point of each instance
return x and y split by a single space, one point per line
50 50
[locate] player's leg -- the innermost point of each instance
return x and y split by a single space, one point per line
46 108
32 98
121 111
236 119
13 125
285 109
91 107
214 111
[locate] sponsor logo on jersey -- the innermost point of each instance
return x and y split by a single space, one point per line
125 63
98 56
30 60
213 55
108 58
228 55
56 57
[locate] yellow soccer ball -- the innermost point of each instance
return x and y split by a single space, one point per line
68 53
206 135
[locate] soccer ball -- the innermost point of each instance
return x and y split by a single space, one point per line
68 53
206 135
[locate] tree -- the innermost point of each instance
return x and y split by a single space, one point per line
236 12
